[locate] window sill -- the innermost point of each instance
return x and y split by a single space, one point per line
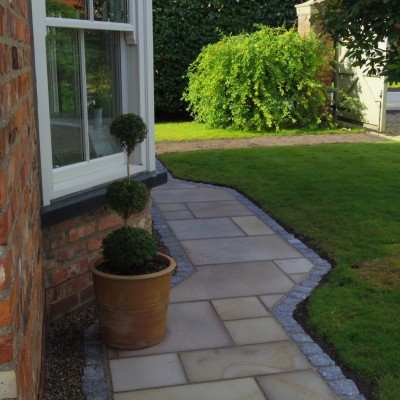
87 201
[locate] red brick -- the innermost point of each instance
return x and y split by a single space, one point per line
3 188
6 348
65 305
2 32
94 244
25 83
7 306
2 59
5 271
5 312
110 221
6 221
59 275
74 285
83 265
20 30
57 240
81 232
71 251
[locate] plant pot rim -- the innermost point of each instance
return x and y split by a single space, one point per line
153 275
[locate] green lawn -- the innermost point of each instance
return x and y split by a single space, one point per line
195 131
344 201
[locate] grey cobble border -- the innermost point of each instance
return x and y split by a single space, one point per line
94 381
184 267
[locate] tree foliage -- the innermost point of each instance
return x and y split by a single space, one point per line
361 25
183 27
267 79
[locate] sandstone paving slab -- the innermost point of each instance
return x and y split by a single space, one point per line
242 361
215 209
252 225
255 330
295 266
240 308
270 300
171 184
236 389
298 385
190 326
205 228
298 278
174 215
190 195
172 207
146 372
238 249
213 282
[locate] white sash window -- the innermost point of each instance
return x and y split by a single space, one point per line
93 62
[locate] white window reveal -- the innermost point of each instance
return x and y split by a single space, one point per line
94 61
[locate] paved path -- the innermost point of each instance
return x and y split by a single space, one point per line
231 335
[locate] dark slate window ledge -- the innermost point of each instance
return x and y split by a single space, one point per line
81 203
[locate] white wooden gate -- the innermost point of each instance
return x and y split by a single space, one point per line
370 90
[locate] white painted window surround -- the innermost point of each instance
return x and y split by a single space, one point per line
137 96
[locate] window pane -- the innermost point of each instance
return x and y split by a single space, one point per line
102 52
75 9
64 96
110 10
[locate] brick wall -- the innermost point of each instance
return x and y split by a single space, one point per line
21 270
304 26
69 248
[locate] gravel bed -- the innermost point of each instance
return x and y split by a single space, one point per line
393 123
265 141
65 356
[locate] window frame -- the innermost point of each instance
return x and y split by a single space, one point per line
137 96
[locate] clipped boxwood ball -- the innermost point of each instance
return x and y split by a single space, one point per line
127 197
128 247
129 129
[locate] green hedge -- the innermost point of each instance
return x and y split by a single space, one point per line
258 81
183 27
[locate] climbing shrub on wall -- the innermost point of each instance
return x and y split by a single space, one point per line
264 80
183 27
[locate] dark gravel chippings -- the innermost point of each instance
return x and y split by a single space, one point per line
65 356
393 123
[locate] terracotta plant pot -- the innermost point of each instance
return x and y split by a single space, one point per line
132 310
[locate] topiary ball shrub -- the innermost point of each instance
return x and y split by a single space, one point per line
129 129
127 197
128 250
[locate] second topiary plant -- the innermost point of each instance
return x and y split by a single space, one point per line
131 281
127 249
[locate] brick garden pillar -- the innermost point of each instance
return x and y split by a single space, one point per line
305 25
